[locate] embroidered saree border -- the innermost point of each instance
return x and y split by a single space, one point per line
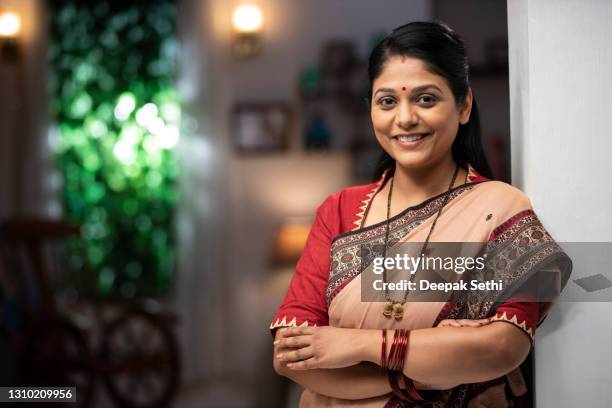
517 249
353 251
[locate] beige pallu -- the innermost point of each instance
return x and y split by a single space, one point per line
494 214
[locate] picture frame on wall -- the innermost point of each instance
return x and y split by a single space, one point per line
261 126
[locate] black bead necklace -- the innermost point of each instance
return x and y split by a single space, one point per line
395 308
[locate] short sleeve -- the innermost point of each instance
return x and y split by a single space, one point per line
532 267
304 304
524 315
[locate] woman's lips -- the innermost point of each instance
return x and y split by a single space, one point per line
410 141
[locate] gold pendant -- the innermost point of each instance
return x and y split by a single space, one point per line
398 311
388 310
395 309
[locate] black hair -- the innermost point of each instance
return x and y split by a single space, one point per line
444 53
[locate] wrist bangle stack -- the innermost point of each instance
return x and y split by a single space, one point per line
383 357
394 365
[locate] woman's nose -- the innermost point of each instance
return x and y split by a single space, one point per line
406 116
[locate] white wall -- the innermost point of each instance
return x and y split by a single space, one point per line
560 58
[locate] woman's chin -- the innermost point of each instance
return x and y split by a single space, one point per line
412 160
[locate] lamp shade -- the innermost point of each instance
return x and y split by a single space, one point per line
10 25
290 241
247 18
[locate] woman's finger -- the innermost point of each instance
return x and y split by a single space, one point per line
303 365
463 322
297 331
473 323
468 323
294 342
449 323
484 321
296 355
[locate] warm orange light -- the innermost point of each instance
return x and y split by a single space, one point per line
10 24
247 18
290 241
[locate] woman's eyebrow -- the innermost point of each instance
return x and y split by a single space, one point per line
414 90
384 90
425 87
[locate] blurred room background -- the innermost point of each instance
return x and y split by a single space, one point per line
160 163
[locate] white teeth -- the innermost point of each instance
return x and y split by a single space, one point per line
410 138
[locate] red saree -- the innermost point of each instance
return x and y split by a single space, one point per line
325 289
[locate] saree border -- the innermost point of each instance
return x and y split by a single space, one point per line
349 251
505 243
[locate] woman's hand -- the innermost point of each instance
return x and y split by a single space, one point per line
464 323
305 348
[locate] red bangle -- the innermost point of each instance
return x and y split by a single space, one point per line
411 389
395 367
383 354
394 382
398 351
394 350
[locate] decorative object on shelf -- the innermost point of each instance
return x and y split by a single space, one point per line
247 23
310 82
334 114
331 101
317 132
261 126
10 28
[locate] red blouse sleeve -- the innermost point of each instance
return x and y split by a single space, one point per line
304 303
524 315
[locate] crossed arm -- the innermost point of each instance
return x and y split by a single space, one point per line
344 363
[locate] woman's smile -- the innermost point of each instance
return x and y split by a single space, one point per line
411 140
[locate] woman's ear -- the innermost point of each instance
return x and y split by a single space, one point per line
466 108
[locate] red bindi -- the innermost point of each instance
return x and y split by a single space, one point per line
403 88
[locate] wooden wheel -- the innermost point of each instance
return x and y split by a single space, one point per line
57 354
141 358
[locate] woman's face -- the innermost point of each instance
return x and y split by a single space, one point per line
414 113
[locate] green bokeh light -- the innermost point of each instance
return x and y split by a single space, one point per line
118 116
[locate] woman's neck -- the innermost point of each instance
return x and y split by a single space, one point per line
412 187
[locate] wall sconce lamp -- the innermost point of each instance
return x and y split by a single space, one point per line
247 22
10 27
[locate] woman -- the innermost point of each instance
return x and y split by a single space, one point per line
435 187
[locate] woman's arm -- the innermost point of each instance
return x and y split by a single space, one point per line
463 355
441 355
364 380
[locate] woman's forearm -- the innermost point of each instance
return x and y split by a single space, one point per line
364 380
450 355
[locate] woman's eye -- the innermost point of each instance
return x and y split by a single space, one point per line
386 102
427 100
